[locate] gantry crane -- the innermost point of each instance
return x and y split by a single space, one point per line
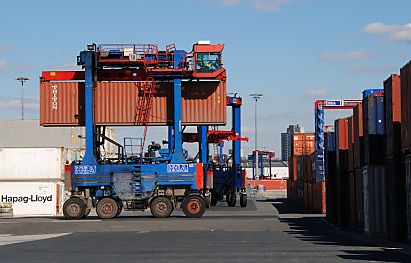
160 181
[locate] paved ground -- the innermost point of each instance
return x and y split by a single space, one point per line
266 231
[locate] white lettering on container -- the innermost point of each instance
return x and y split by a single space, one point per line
54 98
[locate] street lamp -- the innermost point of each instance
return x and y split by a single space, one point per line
256 96
22 80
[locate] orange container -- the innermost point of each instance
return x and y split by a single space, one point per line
115 103
303 143
341 133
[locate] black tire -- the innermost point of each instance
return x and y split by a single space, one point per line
194 206
161 207
74 208
107 208
231 199
88 210
120 207
214 198
243 200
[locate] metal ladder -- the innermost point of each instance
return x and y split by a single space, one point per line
146 91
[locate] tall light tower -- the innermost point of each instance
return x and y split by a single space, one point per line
22 80
256 96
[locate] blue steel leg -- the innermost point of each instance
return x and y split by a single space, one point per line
319 143
236 117
86 58
221 153
170 138
203 145
261 165
177 156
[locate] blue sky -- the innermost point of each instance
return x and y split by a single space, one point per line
292 51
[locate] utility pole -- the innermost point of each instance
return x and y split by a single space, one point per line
22 80
256 96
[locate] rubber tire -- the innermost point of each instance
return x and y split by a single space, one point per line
214 198
107 203
243 200
120 207
6 210
231 199
81 206
161 201
88 210
196 202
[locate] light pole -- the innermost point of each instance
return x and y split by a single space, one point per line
256 96
22 80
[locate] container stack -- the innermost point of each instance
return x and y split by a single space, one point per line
406 139
302 186
358 163
341 144
395 177
374 179
330 171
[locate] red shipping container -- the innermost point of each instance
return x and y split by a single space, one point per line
351 143
392 93
303 143
292 168
358 156
341 133
115 103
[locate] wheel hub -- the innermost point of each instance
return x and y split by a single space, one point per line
194 206
161 207
107 209
74 209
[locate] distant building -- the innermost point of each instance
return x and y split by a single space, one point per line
286 141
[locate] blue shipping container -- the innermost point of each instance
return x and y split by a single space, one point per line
379 115
330 141
367 92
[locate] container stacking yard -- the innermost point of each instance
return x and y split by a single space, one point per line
367 161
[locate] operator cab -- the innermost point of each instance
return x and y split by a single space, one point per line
208 59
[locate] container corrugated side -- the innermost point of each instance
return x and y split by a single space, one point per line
407 169
396 199
33 198
351 144
19 164
115 103
392 92
405 108
358 136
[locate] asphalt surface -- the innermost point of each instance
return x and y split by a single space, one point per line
266 231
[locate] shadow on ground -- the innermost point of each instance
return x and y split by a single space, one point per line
351 246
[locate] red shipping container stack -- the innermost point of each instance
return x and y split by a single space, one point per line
341 138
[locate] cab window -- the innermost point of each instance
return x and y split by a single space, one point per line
208 62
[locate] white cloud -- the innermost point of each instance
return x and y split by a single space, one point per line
13 104
316 94
395 33
269 5
4 64
371 69
346 56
